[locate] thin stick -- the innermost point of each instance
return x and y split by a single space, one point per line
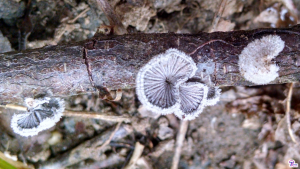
110 137
96 116
79 16
288 108
60 33
83 114
95 151
179 142
14 107
218 15
138 150
112 17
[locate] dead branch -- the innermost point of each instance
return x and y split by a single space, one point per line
113 18
179 142
115 60
14 107
82 114
287 113
106 117
90 149
218 15
138 150
106 143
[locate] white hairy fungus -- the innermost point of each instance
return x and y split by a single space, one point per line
255 60
42 114
192 97
157 82
213 96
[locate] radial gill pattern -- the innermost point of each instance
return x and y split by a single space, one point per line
42 114
157 82
213 96
192 96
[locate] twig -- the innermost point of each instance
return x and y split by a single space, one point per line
218 15
110 137
288 107
96 116
138 150
112 17
25 27
67 27
127 157
83 114
80 15
179 142
14 107
90 149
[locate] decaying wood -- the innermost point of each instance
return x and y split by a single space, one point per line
115 60
179 143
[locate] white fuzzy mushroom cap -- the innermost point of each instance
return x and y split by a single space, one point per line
157 82
255 60
193 98
42 114
213 96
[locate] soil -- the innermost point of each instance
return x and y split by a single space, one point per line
246 129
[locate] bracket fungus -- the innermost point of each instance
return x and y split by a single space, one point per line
43 113
193 98
163 86
157 82
255 60
213 96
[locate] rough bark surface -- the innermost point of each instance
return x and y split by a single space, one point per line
113 61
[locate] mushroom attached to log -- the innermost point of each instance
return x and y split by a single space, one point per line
43 113
163 86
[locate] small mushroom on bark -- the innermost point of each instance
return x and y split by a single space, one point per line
255 60
193 98
43 113
157 82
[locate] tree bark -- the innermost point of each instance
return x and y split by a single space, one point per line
113 62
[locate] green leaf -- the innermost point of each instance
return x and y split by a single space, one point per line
6 165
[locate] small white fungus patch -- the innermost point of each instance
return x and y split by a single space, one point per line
157 82
162 86
255 60
192 97
42 114
213 96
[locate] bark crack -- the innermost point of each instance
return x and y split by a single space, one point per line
86 62
104 92
209 42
